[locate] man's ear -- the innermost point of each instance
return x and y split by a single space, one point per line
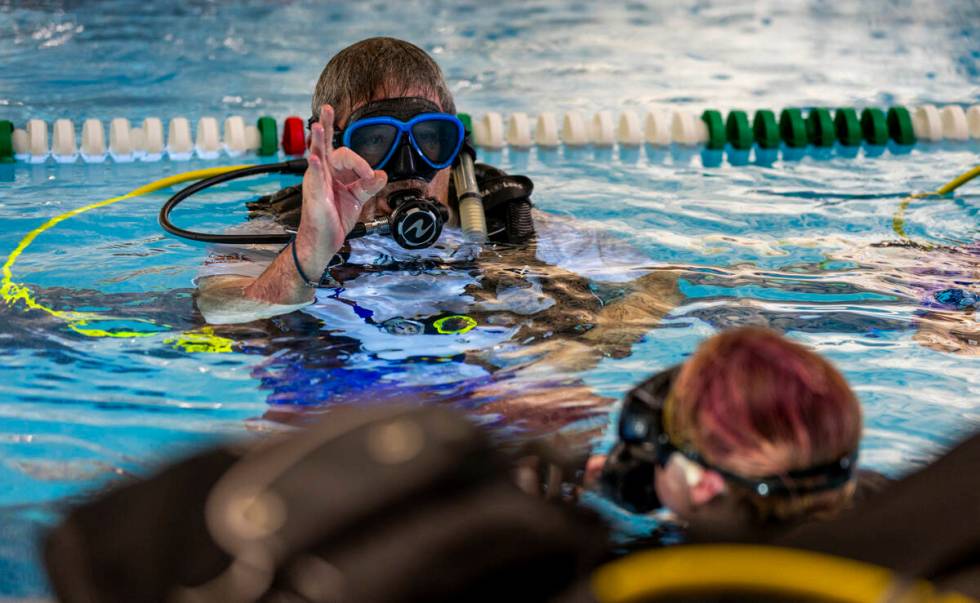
710 485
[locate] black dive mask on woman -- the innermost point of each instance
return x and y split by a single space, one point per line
643 443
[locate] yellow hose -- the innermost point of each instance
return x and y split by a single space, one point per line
79 322
703 570
898 220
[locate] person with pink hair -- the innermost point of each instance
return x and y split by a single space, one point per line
752 430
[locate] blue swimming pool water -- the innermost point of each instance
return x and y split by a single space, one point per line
790 244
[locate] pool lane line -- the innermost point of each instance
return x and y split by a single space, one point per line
192 341
898 219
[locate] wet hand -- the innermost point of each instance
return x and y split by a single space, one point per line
336 185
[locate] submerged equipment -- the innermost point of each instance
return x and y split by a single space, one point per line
628 474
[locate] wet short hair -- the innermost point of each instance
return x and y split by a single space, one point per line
752 390
378 68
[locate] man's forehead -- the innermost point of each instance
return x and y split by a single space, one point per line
427 95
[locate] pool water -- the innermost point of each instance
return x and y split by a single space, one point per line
798 244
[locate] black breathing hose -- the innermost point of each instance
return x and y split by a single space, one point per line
295 166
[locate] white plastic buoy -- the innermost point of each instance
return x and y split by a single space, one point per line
208 144
120 142
494 128
700 130
63 146
37 140
152 139
93 141
656 128
179 145
519 131
22 145
479 132
973 121
546 130
137 136
234 139
489 131
253 140
954 123
574 132
629 132
603 129
684 128
927 124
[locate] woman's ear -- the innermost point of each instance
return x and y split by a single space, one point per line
709 485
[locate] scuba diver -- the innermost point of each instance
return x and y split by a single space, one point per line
543 299
753 434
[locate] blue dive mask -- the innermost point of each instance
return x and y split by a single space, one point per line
408 138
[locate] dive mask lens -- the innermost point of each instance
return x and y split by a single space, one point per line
642 416
636 421
628 481
373 141
434 138
437 138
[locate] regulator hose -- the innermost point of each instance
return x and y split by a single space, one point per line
294 166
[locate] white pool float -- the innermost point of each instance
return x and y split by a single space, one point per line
253 139
179 144
519 131
93 141
64 149
22 145
954 123
574 132
234 138
208 144
37 139
153 145
973 121
630 130
120 140
603 129
546 130
927 124
656 128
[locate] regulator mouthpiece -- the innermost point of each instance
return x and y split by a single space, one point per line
416 220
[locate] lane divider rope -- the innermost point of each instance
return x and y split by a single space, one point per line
795 128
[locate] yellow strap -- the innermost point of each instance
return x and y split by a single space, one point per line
898 220
712 569
79 322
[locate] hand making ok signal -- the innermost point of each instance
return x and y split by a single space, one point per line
336 185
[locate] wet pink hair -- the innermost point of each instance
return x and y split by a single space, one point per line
749 391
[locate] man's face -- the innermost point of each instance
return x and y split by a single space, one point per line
377 206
